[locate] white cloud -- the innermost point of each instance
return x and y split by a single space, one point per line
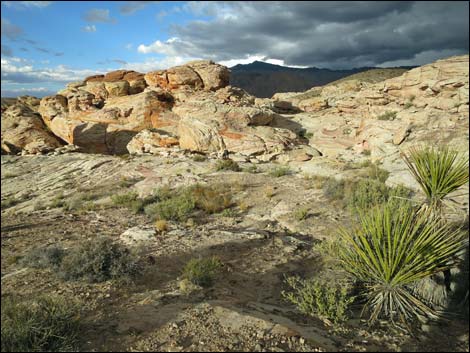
98 15
152 64
26 4
90 28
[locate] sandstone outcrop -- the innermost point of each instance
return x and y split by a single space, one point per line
192 105
23 130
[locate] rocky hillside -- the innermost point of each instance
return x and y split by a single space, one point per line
263 80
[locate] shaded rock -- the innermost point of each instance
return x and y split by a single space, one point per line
148 141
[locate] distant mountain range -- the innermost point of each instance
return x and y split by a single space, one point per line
263 80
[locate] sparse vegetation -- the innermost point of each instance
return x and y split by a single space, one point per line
321 298
9 202
391 115
44 257
199 158
46 324
99 260
301 213
269 191
227 164
202 271
280 171
252 169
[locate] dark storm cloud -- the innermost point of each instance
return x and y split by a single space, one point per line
323 34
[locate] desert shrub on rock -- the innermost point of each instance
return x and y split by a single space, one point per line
44 257
227 164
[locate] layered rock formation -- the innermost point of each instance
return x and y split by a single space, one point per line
192 105
23 130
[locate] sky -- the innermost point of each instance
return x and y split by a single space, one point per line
46 44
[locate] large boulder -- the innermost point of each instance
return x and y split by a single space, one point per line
23 130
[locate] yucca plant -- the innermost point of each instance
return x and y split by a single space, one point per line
439 171
391 248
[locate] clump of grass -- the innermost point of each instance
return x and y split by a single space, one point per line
279 171
333 189
9 202
315 297
212 199
301 213
243 205
227 164
58 201
202 272
228 212
391 115
408 104
161 226
177 208
9 175
99 260
377 173
199 158
252 169
128 182
44 257
269 191
46 324
392 248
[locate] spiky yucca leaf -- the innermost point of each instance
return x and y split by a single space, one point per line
439 171
391 248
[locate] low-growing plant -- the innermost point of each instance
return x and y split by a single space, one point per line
212 199
301 213
280 171
391 115
58 201
269 191
252 169
320 298
44 257
161 225
202 272
228 212
390 249
9 202
227 164
177 208
199 158
333 189
45 324
377 173
99 260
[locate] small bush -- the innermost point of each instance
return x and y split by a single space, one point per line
387 116
227 164
279 171
9 202
301 213
44 257
202 271
99 260
252 169
212 199
377 173
319 298
269 191
58 201
46 324
199 158
333 189
177 208
161 225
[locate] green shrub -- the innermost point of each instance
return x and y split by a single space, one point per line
279 171
387 116
99 260
9 202
44 257
58 201
390 249
252 169
177 208
366 193
301 213
227 164
202 271
46 324
199 158
319 298
377 173
333 189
